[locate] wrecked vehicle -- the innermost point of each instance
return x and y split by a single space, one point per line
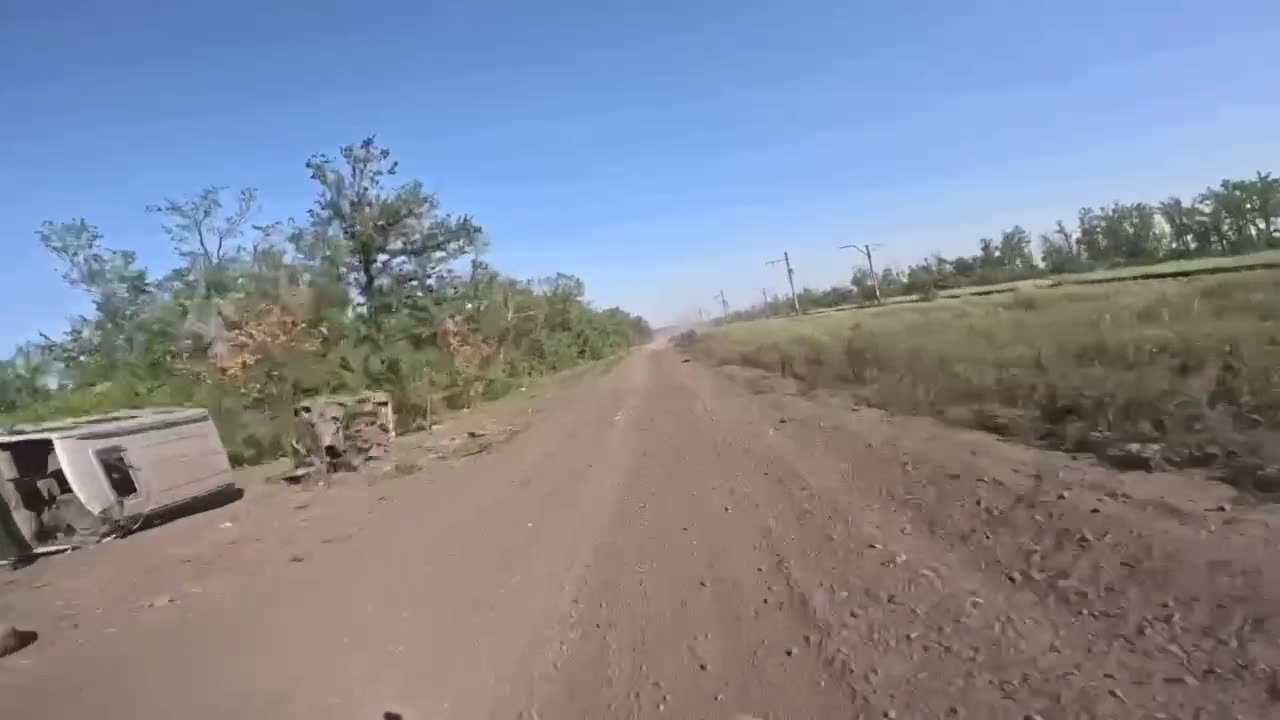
338 433
73 482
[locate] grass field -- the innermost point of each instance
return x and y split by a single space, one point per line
1176 371
1174 268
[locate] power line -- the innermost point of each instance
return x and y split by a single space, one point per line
875 279
724 304
791 279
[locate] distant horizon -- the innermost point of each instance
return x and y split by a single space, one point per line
660 153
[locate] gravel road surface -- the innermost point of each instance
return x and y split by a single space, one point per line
666 539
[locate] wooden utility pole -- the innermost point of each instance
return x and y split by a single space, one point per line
724 305
875 279
701 318
791 279
764 295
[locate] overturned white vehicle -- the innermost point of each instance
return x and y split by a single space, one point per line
74 482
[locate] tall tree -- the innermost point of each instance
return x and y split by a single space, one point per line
988 256
205 236
1263 199
1015 249
1181 220
387 240
120 291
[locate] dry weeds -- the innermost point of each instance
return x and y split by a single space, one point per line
1177 372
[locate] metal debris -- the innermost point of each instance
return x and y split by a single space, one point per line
334 434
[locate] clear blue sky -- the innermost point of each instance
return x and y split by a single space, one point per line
661 150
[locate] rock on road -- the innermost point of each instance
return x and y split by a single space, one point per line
672 540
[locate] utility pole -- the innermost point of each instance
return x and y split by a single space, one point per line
875 279
764 295
791 279
724 305
701 318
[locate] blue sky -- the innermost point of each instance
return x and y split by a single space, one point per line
660 150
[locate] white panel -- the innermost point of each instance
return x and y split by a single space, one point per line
84 475
170 464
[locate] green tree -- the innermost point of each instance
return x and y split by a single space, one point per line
206 237
1263 199
97 346
1180 219
389 241
1015 249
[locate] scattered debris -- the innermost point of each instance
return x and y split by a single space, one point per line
406 468
1135 456
340 433
472 442
895 561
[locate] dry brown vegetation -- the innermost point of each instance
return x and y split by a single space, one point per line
1172 372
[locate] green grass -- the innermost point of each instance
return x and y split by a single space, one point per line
1194 266
1172 268
1190 363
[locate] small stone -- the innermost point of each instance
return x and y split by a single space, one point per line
791 652
703 667
296 559
12 639
704 583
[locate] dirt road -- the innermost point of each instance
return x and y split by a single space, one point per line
671 540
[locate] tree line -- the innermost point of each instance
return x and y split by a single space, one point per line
377 288
1236 217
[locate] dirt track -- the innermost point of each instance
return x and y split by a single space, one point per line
671 540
